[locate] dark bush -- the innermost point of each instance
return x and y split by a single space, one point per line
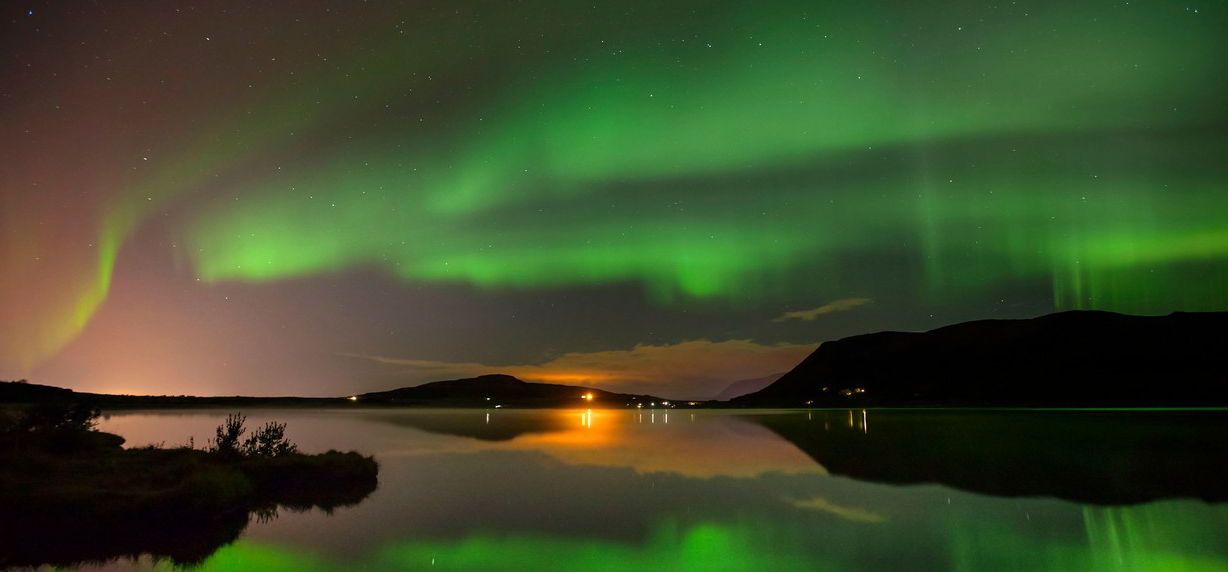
269 441
228 434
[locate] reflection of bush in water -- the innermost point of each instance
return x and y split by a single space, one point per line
69 494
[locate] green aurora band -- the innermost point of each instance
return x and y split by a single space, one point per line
773 155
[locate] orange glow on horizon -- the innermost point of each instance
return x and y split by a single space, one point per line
567 376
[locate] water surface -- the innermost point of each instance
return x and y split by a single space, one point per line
738 490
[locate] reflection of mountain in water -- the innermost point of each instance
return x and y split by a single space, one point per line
1089 457
476 424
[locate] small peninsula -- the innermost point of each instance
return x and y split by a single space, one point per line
72 494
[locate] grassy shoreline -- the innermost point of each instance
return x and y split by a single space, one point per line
70 494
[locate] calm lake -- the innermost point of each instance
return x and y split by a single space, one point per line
741 490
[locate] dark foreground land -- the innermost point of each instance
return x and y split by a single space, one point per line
69 494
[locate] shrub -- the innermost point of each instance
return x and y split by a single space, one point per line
226 441
267 441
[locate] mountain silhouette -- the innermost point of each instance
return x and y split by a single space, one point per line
504 391
494 390
1068 359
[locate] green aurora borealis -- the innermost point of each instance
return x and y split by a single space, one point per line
707 162
705 172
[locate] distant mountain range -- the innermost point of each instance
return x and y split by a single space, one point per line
22 392
493 391
1068 359
505 391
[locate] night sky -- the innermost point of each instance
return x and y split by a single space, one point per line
324 198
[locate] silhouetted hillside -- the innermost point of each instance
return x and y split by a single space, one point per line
1075 359
491 428
504 391
482 391
22 392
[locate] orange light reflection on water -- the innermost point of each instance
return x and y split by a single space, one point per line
667 441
